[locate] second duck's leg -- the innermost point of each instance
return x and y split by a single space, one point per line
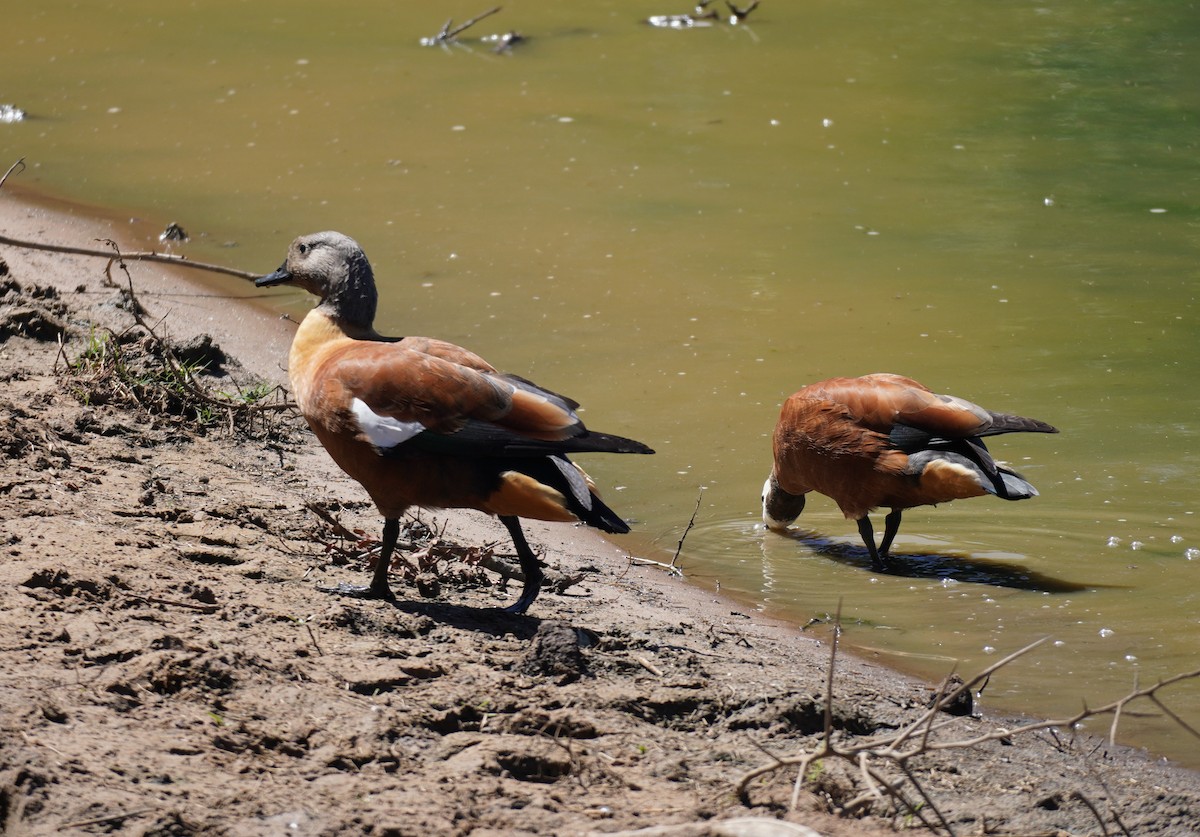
891 525
868 535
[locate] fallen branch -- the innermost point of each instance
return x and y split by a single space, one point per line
702 16
553 579
150 256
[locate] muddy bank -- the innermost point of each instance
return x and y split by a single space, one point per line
169 667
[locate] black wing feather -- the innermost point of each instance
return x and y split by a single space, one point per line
485 439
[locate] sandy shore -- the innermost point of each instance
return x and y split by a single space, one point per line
169 666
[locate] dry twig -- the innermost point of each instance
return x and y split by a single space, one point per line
688 528
899 747
16 167
672 568
448 34
200 608
421 549
110 819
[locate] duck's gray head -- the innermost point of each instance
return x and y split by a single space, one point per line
334 268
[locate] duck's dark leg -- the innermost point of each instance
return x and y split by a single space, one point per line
378 588
868 536
891 525
529 566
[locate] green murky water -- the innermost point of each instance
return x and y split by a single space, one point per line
680 228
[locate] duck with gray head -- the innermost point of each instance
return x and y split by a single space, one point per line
422 422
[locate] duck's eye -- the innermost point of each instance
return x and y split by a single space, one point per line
302 248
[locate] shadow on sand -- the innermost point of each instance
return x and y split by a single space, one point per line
485 620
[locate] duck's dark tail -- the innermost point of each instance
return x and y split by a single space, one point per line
1008 423
581 500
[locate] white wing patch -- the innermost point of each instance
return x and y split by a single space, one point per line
384 432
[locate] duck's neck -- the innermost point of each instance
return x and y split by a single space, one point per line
353 300
315 336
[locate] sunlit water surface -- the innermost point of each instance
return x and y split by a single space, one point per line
679 228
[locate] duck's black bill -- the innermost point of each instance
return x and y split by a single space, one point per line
277 278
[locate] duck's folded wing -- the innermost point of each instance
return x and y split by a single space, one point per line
882 401
945 416
446 351
396 394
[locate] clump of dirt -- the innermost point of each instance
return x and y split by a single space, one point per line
36 313
555 652
168 665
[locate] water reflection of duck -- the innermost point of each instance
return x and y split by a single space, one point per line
884 440
424 422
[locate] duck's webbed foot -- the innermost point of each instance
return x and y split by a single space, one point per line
360 591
